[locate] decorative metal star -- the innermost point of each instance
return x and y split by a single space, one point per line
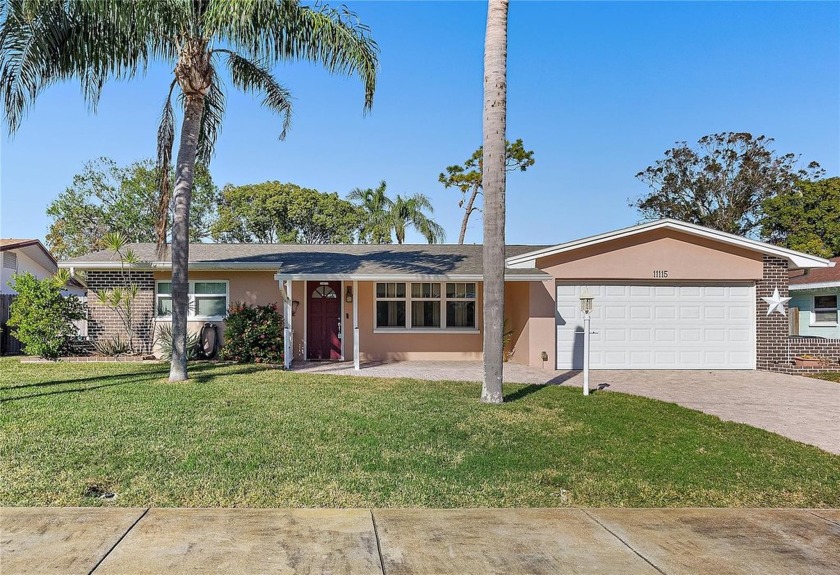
776 302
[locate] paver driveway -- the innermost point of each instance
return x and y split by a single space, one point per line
801 408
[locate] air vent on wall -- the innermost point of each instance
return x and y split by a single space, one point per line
10 260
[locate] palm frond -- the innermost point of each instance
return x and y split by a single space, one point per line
252 77
273 31
92 41
211 120
165 141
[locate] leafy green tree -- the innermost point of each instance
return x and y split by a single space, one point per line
108 198
467 177
274 212
494 126
806 219
42 317
384 218
45 41
721 183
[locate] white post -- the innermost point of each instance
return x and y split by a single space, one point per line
287 323
356 358
586 332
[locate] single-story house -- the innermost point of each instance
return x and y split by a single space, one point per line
668 295
815 301
29 255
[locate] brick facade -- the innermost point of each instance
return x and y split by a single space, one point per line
104 323
775 349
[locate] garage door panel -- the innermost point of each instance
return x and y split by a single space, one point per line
659 327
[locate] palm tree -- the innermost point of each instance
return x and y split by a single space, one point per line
376 208
411 211
493 183
46 41
384 218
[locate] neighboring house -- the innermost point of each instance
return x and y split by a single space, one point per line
668 295
21 256
815 303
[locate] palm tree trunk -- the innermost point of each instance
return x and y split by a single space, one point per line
181 234
467 215
493 182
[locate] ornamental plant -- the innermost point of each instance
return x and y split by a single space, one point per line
253 334
42 317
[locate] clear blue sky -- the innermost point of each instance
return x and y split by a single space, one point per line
598 90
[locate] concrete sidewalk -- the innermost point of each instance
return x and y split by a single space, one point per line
415 541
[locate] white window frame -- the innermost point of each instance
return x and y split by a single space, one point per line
408 309
192 298
815 309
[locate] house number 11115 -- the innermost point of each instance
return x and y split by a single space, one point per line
660 274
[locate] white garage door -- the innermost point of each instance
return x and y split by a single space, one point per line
659 327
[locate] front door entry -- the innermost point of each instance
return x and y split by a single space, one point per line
323 340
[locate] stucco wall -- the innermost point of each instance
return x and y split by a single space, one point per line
684 257
250 287
517 314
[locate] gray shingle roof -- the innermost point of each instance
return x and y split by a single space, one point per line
356 259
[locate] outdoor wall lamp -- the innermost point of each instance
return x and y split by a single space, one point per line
586 300
295 305
348 295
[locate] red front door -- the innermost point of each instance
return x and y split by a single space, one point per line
323 340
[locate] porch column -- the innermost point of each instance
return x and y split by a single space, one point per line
356 360
286 290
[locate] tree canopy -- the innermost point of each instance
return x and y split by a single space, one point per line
108 198
720 183
275 212
94 41
384 218
806 218
467 177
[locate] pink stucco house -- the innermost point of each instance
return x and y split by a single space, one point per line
668 295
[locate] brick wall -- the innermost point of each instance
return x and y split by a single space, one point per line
104 323
826 349
775 350
771 330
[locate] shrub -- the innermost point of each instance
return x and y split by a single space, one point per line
253 334
111 347
43 318
163 340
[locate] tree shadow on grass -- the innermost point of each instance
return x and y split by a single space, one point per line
235 369
523 392
200 373
158 372
152 377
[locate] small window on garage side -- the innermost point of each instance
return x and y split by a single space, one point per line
825 310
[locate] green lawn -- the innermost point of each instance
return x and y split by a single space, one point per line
828 376
247 436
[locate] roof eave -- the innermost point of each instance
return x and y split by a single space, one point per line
280 276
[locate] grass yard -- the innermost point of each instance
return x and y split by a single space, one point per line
828 376
248 436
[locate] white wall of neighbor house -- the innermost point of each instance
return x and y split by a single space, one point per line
17 262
